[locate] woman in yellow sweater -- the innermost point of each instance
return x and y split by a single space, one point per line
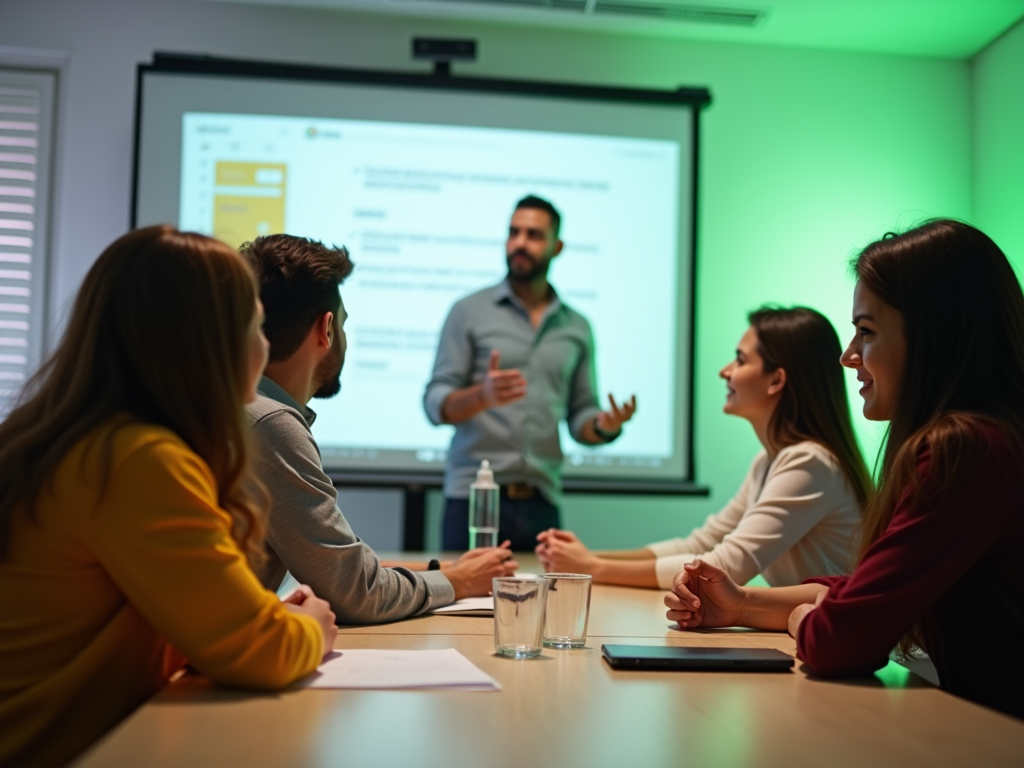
126 535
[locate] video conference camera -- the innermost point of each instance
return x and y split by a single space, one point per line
443 52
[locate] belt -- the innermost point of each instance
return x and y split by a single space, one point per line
519 490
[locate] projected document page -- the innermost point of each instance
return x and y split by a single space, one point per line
424 210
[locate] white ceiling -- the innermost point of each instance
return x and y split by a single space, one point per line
939 28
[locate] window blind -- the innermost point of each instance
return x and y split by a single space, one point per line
26 138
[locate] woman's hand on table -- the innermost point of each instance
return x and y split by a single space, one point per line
704 596
562 552
800 612
303 602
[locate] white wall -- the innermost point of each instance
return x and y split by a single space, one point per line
807 154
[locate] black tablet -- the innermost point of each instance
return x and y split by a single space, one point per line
670 657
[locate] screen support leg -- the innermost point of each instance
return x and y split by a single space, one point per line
415 518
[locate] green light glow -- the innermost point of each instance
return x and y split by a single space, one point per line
894 675
998 143
806 157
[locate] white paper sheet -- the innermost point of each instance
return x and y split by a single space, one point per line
370 668
468 606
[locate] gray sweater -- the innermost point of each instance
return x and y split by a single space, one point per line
308 535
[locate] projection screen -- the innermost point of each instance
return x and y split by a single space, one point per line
418 175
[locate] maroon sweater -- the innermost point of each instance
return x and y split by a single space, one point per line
953 561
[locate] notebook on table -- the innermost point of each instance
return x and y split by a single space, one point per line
467 606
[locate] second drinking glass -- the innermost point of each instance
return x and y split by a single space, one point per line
568 610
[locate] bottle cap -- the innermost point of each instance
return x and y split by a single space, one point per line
485 476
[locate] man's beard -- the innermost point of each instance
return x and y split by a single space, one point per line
536 269
328 372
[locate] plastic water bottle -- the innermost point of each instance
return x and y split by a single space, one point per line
483 508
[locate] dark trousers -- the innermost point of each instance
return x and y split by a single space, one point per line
520 521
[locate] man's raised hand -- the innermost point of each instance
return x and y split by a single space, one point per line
502 387
611 421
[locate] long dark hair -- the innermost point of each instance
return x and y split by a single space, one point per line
813 404
158 334
963 319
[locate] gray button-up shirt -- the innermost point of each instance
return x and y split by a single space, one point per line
308 535
556 359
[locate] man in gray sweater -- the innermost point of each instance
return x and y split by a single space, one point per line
307 533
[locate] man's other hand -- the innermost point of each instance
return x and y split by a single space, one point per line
501 387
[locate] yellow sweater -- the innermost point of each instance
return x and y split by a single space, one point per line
103 598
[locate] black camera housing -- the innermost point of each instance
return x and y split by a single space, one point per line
437 49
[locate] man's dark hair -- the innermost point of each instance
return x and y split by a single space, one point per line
532 201
298 280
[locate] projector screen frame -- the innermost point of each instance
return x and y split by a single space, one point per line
416 483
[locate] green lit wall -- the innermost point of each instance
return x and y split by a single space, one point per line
997 84
807 155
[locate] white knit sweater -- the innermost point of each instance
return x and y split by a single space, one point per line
789 520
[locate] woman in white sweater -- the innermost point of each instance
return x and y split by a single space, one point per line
796 512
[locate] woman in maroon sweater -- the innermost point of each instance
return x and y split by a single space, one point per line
939 348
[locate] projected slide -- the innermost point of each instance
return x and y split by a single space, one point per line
424 210
248 200
418 175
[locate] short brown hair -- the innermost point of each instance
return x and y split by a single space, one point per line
540 204
298 280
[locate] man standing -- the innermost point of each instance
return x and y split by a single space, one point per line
512 362
307 533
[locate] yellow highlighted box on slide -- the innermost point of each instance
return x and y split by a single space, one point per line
248 201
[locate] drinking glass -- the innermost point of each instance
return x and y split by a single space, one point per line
568 610
519 615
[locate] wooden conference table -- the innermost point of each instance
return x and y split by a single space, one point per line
568 708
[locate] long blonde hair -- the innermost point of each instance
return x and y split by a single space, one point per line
158 334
